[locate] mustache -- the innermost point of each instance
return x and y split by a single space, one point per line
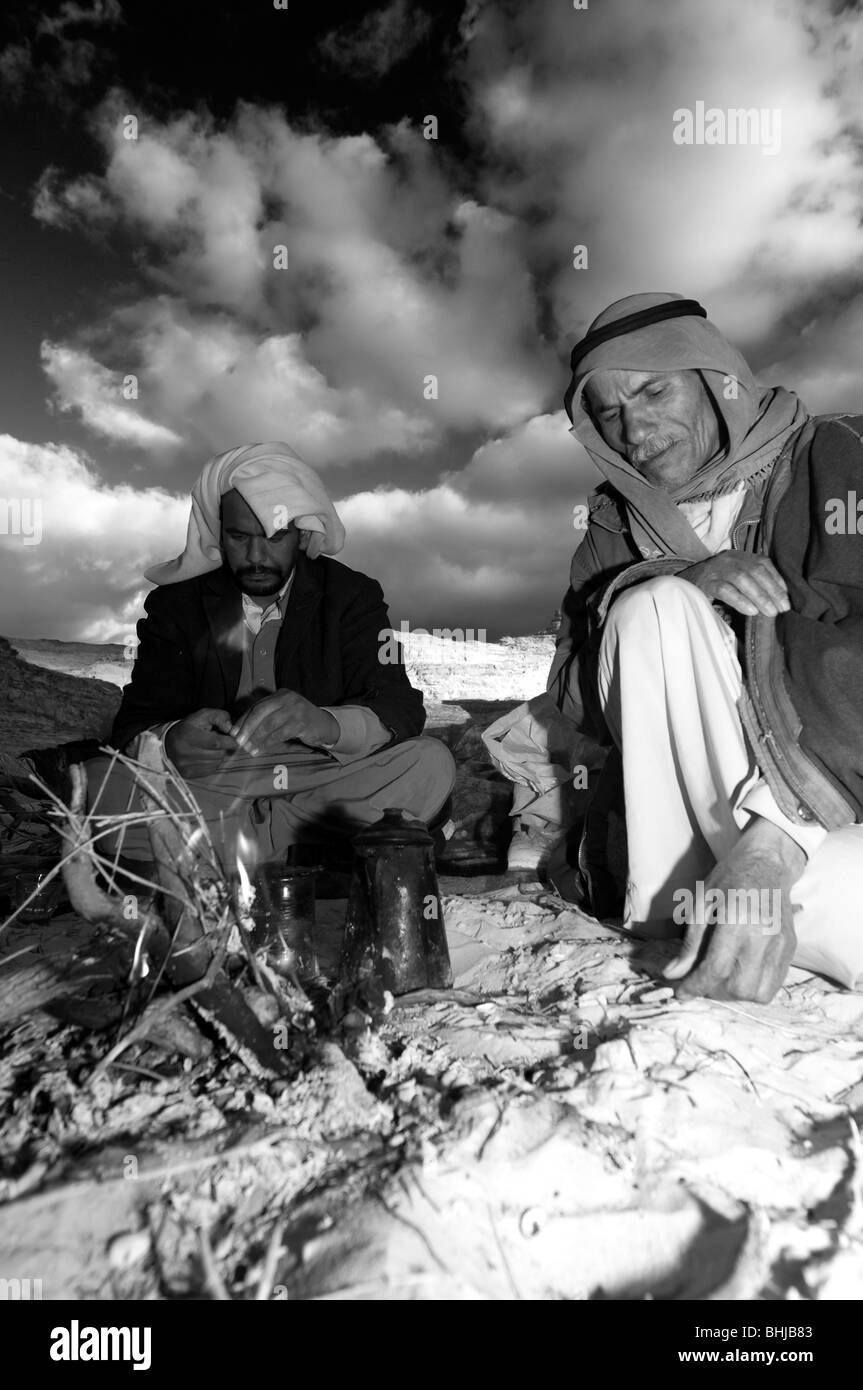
648 451
256 570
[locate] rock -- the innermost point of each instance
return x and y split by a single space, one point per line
42 708
446 668
482 797
448 722
470 747
127 1250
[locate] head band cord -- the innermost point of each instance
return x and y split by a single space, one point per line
676 308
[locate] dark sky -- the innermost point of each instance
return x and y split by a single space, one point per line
170 58
258 126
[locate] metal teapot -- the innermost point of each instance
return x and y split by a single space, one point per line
394 929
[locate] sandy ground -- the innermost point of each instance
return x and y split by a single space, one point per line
555 1126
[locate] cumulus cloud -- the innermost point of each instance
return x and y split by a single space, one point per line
578 110
412 303
453 554
379 41
427 306
80 574
488 547
825 363
442 560
405 308
71 14
85 385
211 382
16 65
56 59
538 463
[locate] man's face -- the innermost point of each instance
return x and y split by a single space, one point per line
663 423
260 566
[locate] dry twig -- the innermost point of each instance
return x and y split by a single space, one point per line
212 1277
271 1262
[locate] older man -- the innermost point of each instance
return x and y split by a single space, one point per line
262 663
713 641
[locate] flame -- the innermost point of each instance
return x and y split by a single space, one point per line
246 853
235 638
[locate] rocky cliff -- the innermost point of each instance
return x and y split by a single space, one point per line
39 707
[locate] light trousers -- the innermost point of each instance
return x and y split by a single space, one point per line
271 803
669 681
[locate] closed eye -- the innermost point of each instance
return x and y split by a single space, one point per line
246 536
611 412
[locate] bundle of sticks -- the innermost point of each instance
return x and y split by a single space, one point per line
161 932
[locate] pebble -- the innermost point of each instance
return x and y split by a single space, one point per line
129 1249
653 996
531 1221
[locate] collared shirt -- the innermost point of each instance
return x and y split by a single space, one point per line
360 730
258 673
256 614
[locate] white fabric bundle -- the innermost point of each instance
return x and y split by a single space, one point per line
278 487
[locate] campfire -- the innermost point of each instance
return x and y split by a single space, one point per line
184 936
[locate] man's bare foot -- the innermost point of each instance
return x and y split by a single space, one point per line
739 941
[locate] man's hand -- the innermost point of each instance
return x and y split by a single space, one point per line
748 583
276 720
748 953
192 744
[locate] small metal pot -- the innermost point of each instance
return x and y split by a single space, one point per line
394 929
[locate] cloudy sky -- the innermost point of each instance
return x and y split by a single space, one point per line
152 258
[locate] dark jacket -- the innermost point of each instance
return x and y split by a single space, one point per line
803 700
802 705
190 650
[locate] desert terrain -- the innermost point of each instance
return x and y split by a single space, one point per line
555 1126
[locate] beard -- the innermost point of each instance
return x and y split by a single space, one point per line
260 582
639 458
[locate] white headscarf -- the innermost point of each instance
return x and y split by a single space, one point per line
278 487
